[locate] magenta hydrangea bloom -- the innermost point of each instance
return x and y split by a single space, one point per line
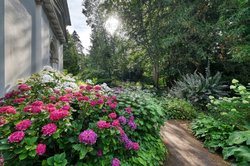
88 137
19 100
128 110
40 149
116 123
112 115
23 125
8 110
116 162
113 105
16 136
136 146
64 98
49 129
24 87
58 114
93 103
103 124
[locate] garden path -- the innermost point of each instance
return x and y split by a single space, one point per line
184 149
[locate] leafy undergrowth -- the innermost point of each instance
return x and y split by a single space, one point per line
227 128
50 120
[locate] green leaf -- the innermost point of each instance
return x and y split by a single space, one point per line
77 147
23 156
83 152
50 160
4 147
32 153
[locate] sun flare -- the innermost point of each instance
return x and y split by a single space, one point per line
112 24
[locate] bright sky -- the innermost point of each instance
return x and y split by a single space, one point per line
78 23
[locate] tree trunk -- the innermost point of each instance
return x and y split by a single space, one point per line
156 74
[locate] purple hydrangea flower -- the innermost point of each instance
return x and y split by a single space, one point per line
132 124
88 137
116 162
122 120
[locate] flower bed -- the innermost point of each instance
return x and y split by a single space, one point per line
50 120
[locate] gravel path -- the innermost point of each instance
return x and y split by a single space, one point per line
184 149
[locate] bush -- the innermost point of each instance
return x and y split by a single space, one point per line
179 109
233 110
49 120
196 88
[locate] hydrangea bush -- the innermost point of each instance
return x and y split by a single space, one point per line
50 120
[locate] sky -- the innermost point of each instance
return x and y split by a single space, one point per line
78 23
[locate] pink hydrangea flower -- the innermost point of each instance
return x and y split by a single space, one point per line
19 100
16 136
100 101
135 146
88 87
66 107
93 103
64 98
36 107
88 137
40 149
8 110
58 114
11 94
114 98
24 87
113 105
50 107
23 125
49 129
103 124
52 98
83 98
97 87
116 123
116 162
128 110
112 115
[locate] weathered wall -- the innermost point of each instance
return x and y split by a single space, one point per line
25 37
46 36
18 39
2 80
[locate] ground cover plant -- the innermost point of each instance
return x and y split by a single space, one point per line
50 120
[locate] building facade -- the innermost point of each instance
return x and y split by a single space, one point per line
32 34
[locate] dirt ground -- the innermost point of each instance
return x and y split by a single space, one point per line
184 149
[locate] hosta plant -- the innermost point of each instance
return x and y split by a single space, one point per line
50 120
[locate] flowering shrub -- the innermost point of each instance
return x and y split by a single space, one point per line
49 120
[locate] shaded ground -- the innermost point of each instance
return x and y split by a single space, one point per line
184 149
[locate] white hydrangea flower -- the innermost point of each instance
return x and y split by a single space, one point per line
48 68
68 78
105 87
70 85
88 81
47 78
